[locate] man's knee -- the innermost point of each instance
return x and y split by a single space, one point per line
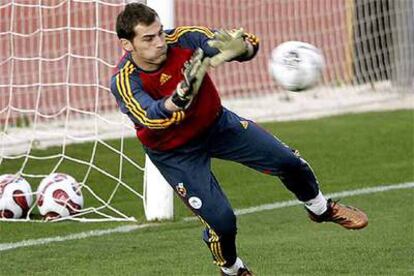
291 164
298 177
225 223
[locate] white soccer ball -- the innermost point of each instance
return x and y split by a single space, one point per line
15 196
58 196
296 65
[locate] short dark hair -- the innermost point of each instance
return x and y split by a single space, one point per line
132 15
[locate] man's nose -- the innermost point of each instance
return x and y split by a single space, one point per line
160 41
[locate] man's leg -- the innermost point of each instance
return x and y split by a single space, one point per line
187 170
245 142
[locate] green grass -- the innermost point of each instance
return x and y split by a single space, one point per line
346 152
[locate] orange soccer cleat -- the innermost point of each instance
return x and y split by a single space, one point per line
346 216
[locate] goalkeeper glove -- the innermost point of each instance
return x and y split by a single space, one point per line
193 72
231 44
205 65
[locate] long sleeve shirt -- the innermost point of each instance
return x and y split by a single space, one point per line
141 94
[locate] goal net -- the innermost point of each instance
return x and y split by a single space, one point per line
57 56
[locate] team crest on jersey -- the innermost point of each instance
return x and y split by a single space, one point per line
244 124
164 78
181 190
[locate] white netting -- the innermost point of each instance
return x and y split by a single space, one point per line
57 56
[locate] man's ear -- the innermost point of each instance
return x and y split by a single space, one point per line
127 45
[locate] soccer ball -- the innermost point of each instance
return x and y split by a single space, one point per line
296 65
15 196
58 196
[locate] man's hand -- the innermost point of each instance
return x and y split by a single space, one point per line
193 72
205 65
231 44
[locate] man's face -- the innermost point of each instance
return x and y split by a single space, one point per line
149 49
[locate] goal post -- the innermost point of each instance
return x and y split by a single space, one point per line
158 195
158 200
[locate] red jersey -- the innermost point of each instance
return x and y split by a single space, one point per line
141 94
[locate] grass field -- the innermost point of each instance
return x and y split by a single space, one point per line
346 152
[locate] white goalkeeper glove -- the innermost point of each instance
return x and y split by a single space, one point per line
193 72
231 44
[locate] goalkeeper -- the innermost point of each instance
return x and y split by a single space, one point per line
162 84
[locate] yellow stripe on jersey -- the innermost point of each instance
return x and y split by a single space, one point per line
178 32
124 89
123 86
180 116
136 103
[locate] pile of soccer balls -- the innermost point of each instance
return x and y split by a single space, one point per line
58 196
296 66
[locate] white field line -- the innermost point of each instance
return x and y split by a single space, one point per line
78 236
130 228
